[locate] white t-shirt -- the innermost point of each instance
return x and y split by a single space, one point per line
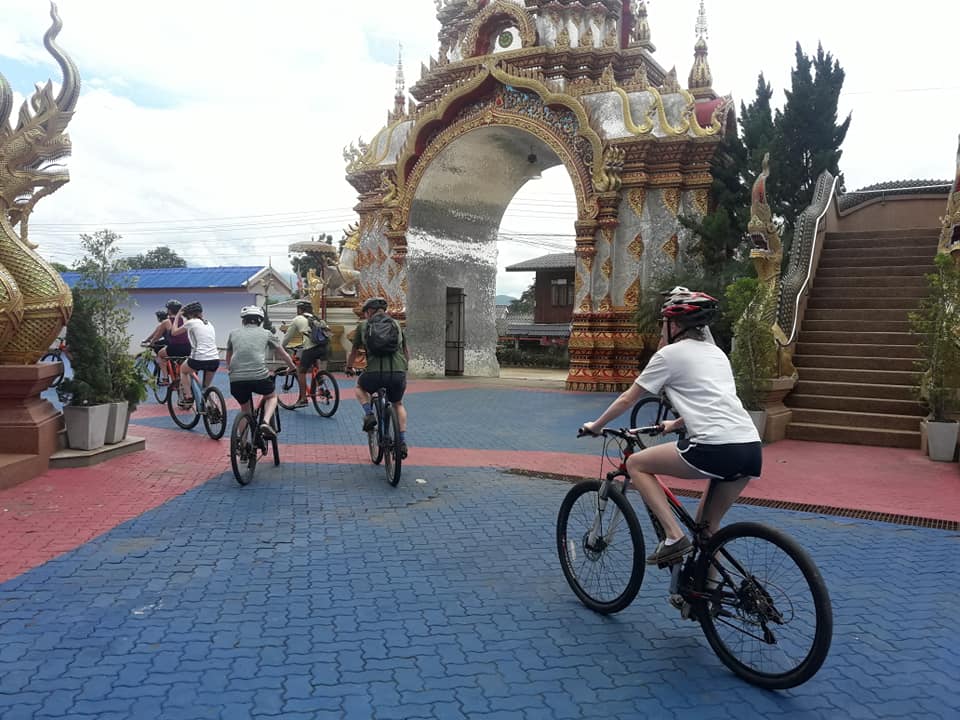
203 340
698 381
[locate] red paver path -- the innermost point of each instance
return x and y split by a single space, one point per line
63 509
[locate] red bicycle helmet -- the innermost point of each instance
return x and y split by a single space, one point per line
688 308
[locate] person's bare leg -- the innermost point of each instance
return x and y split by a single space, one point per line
401 415
718 498
302 377
269 407
659 460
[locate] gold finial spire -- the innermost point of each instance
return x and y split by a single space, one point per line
399 99
700 81
641 26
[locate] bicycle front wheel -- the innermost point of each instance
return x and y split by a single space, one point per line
214 412
325 393
185 417
373 436
769 618
391 446
606 572
243 452
653 411
288 389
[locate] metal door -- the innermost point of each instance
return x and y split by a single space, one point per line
454 337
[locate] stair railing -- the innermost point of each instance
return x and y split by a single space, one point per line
796 281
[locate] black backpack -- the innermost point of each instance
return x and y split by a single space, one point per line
382 335
319 335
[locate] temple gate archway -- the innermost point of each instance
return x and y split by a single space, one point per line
573 85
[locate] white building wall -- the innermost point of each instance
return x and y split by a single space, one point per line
221 306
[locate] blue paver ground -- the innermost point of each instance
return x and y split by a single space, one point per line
321 592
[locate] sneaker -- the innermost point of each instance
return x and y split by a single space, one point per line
403 451
268 432
300 404
669 554
185 403
369 422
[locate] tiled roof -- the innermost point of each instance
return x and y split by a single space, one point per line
555 261
180 278
894 187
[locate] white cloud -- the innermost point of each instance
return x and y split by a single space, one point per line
218 109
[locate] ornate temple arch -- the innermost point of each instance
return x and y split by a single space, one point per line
435 182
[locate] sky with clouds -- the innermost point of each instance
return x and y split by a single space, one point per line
216 127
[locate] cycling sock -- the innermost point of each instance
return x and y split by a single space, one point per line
671 541
367 408
403 436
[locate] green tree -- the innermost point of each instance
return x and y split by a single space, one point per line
59 267
161 257
808 137
526 302
758 131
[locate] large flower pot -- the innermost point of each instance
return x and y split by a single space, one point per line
759 418
86 425
117 423
942 440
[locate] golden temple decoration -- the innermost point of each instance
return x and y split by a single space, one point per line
700 80
563 37
389 188
950 234
767 252
611 40
661 110
637 197
628 121
671 248
606 304
607 79
670 83
606 268
631 297
641 27
636 246
701 200
586 40
35 303
492 13
671 200
609 178
586 305
639 81
352 235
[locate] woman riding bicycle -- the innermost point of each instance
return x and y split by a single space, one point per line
175 346
204 353
247 361
721 440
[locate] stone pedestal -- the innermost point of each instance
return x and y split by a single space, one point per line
29 425
342 321
778 414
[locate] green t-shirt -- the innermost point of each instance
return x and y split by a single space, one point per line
385 363
247 346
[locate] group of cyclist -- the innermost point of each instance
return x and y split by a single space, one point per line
182 332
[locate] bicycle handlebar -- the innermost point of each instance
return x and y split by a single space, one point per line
624 433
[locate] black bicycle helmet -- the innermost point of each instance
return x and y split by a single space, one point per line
173 306
305 306
192 308
161 315
688 308
374 303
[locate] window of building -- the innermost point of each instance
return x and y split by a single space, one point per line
561 292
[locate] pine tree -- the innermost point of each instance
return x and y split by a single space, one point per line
756 124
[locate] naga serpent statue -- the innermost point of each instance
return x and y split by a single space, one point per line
35 303
767 255
950 235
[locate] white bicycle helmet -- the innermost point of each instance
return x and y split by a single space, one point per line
251 311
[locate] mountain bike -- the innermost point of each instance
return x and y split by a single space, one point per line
322 389
56 355
208 403
650 411
759 598
383 440
247 442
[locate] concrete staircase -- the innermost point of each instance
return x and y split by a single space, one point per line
855 354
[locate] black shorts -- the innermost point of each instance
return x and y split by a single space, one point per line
311 355
203 365
394 382
723 462
243 390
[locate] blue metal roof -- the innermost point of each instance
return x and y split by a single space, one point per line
180 278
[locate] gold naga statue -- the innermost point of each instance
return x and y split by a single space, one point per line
35 303
767 255
950 235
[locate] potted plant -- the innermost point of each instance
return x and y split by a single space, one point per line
88 410
937 326
754 353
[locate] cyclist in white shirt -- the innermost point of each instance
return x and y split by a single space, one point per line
721 441
204 353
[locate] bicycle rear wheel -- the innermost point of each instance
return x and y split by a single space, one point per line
243 451
215 412
391 446
606 574
652 410
373 436
185 417
325 393
770 620
275 424
288 389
